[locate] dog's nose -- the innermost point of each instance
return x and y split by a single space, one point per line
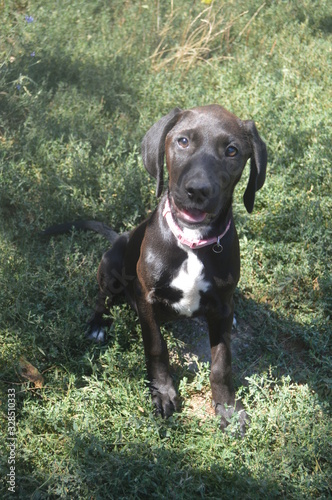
198 191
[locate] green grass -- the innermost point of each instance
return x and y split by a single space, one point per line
79 87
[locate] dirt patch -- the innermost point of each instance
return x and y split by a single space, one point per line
200 405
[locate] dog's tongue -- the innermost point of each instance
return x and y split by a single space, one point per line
193 216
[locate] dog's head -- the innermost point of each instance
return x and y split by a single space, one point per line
206 150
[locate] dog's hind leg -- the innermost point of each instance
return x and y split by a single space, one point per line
112 282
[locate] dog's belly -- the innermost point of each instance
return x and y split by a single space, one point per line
191 283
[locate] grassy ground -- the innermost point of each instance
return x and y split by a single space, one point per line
80 83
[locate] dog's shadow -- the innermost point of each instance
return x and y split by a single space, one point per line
194 345
256 344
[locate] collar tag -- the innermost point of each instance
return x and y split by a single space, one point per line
218 248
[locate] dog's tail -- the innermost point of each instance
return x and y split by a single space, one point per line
84 225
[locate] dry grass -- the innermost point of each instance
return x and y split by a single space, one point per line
198 39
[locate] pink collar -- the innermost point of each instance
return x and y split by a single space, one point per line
194 243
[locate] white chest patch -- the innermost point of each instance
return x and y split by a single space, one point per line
190 280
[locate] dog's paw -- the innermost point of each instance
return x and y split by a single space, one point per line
165 400
237 415
97 334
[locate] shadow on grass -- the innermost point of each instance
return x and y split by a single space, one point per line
139 470
110 84
68 126
262 341
90 466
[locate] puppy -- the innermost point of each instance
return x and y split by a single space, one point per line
183 261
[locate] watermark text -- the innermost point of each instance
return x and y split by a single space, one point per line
11 438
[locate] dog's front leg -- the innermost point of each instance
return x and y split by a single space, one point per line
162 390
223 394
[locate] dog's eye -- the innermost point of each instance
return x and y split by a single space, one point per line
183 142
231 151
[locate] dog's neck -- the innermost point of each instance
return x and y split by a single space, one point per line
193 238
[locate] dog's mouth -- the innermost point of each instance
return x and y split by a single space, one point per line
193 216
190 215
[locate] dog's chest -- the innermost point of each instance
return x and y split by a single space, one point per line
190 281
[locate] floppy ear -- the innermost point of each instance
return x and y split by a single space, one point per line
153 147
258 163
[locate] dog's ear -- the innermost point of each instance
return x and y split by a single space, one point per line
258 163
153 147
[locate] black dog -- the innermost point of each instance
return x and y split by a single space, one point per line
184 261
